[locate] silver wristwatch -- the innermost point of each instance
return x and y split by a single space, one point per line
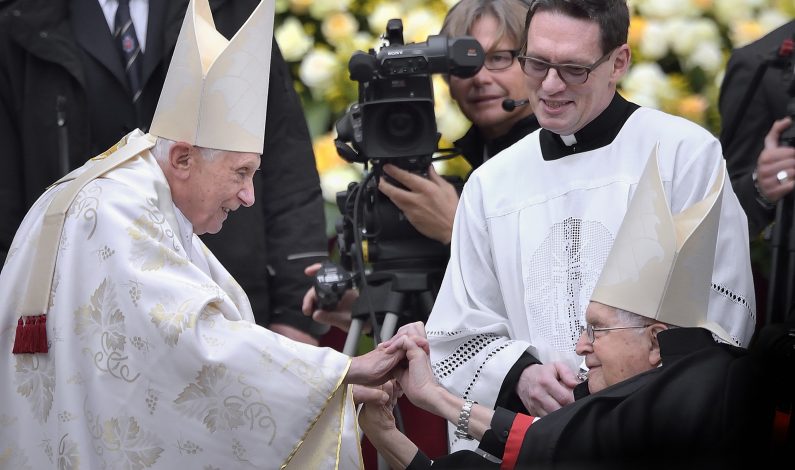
462 430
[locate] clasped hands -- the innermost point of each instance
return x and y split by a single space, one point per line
411 376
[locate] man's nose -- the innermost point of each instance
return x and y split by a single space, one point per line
246 195
552 83
583 345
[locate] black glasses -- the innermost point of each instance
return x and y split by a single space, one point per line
499 60
571 74
590 330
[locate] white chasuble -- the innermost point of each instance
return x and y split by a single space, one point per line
153 361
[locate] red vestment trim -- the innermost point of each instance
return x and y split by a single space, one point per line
519 427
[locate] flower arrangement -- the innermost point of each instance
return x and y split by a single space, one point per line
679 49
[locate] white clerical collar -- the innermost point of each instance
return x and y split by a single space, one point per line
569 140
186 232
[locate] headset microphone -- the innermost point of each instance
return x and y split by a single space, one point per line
509 104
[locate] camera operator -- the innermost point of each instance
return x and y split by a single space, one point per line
430 203
754 157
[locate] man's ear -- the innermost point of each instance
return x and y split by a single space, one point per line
181 159
621 64
654 351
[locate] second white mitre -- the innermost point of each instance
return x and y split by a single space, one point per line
661 264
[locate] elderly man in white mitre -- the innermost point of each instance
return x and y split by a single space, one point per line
127 344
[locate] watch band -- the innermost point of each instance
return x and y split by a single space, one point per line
462 430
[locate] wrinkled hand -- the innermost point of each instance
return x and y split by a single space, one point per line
341 317
376 415
375 367
544 388
773 159
380 395
415 330
429 203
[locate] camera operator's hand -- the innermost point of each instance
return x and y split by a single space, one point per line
773 159
429 203
544 388
340 317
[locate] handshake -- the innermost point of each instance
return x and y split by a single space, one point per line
413 377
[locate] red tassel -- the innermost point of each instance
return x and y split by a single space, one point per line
18 336
31 335
40 335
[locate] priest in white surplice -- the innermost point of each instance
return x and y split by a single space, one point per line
533 227
125 343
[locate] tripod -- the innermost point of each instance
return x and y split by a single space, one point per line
388 297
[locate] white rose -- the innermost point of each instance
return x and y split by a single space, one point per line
319 9
318 69
666 8
730 11
337 179
338 27
706 55
686 35
450 121
654 42
419 24
382 13
363 41
292 39
770 19
647 85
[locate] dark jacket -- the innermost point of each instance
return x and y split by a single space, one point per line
742 147
476 149
45 54
63 93
708 406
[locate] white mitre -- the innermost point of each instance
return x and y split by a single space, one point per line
216 91
661 265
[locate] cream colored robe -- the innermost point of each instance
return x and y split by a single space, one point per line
155 360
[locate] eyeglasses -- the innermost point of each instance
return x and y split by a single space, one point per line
499 60
571 74
590 330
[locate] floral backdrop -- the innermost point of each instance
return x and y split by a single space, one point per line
679 47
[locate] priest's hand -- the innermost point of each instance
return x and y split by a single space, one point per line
429 203
544 388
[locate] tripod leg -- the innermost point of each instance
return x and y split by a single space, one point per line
352 340
389 326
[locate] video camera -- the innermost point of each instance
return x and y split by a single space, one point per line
393 122
394 119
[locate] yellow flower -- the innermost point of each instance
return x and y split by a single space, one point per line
636 27
300 6
338 27
744 32
692 107
326 156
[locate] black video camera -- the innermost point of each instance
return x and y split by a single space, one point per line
394 119
393 122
